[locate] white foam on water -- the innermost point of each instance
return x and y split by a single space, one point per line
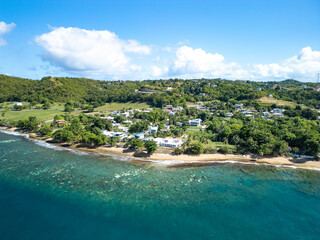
156 162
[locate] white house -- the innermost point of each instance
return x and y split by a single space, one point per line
124 129
153 129
111 134
229 114
238 106
169 142
195 122
125 114
18 104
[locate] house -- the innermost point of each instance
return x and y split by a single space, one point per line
148 139
139 135
179 124
124 129
168 142
304 86
153 129
171 113
61 122
108 117
127 122
202 94
229 114
277 112
238 106
270 96
266 114
18 104
195 122
171 142
258 89
112 134
125 114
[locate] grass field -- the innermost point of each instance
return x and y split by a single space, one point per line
120 106
269 101
42 115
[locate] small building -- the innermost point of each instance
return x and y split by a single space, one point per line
171 142
202 94
153 129
124 129
18 104
125 114
139 135
238 106
112 134
229 114
195 122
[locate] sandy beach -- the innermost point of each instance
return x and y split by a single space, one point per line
179 160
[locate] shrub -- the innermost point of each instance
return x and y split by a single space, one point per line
178 151
224 150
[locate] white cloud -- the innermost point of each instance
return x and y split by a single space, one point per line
303 66
197 63
158 71
5 28
90 52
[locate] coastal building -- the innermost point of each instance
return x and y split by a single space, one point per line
168 142
111 134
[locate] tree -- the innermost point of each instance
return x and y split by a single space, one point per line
68 108
136 144
64 135
45 129
46 105
312 147
151 146
194 148
139 126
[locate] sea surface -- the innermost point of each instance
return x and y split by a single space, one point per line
49 193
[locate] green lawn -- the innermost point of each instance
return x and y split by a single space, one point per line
42 115
119 106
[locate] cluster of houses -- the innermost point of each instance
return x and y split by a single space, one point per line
172 110
276 112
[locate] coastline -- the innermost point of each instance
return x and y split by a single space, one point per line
172 160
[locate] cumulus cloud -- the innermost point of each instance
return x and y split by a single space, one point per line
90 52
197 63
305 65
5 28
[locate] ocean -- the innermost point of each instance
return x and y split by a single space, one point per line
50 193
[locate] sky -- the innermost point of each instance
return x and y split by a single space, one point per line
137 40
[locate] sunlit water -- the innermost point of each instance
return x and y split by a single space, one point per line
46 193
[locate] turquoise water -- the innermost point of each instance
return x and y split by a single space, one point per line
52 194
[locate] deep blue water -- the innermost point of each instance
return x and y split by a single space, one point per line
50 194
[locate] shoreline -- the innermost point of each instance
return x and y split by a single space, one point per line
172 160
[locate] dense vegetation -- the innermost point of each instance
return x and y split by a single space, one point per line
52 89
296 131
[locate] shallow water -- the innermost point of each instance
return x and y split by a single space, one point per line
46 193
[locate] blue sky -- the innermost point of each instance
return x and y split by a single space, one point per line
258 40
